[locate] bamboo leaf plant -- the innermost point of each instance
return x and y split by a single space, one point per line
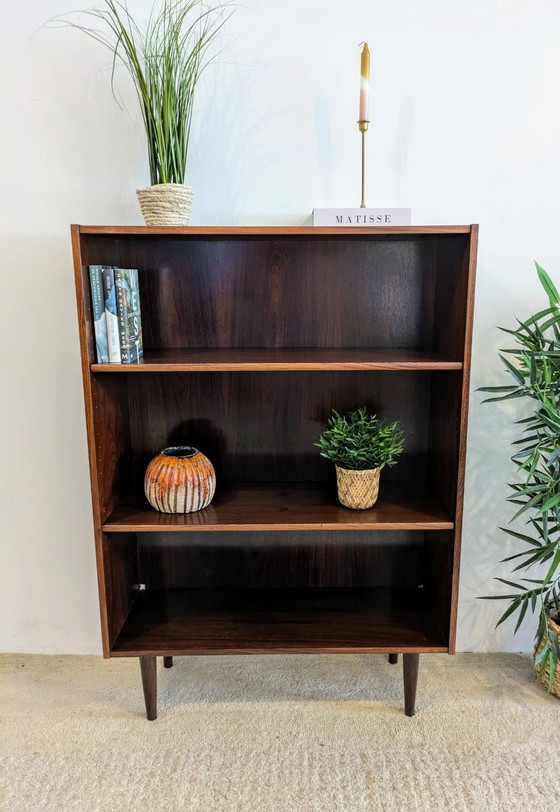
360 441
165 59
360 445
534 366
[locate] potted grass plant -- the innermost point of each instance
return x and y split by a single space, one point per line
534 366
165 59
360 445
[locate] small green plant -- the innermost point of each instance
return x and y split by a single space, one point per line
165 60
534 365
359 441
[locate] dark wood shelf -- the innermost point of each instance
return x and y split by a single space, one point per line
262 359
266 621
290 506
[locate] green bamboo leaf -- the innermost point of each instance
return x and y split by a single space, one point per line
522 614
551 322
550 503
509 611
497 389
521 536
541 556
553 568
547 284
510 583
533 601
528 490
536 318
554 644
540 656
517 394
517 555
527 505
497 597
551 671
527 440
519 377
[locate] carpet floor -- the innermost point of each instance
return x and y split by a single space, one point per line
278 734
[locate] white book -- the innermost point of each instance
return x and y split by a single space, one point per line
98 313
111 315
362 217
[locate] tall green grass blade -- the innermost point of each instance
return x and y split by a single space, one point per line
165 60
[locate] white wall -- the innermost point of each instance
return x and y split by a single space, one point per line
465 129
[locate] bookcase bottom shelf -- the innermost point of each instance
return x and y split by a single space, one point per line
259 621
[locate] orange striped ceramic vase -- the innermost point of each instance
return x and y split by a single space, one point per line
180 480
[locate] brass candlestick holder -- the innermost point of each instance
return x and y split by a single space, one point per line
362 126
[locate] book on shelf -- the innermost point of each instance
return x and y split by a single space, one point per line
362 217
98 311
111 316
129 317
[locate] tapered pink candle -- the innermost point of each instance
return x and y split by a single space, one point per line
364 85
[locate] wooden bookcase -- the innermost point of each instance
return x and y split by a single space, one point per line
252 336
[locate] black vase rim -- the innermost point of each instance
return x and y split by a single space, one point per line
179 452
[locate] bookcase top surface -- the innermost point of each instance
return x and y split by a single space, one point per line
272 231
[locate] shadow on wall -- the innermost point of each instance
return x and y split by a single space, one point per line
96 146
234 146
402 142
489 469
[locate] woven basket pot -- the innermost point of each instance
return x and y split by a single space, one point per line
166 204
357 489
544 676
180 480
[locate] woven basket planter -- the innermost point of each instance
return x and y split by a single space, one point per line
357 489
544 676
180 480
166 204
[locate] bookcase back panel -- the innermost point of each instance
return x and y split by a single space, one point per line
262 426
288 291
281 559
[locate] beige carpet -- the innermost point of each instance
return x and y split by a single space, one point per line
278 734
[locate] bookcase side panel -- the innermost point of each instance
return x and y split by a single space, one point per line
469 274
85 328
438 563
109 439
111 432
120 563
444 436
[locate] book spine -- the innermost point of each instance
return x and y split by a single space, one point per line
128 308
111 316
136 323
98 312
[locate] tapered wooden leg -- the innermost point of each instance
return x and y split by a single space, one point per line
393 659
410 674
149 684
167 662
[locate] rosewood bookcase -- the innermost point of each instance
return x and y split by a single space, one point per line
252 336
